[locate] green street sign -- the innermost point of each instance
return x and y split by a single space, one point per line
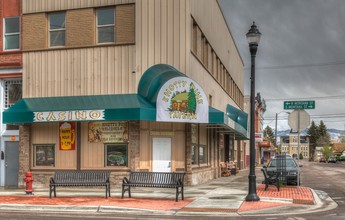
299 105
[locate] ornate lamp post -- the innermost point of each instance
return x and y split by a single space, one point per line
253 37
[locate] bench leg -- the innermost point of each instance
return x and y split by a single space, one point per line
182 192
50 192
124 189
109 190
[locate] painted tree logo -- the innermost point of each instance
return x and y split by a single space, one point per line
191 99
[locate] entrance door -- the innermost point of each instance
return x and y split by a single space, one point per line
161 155
11 163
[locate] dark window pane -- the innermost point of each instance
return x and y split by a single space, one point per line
12 42
44 155
57 38
116 155
57 21
105 34
14 93
11 25
105 16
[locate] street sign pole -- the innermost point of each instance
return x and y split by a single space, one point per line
298 146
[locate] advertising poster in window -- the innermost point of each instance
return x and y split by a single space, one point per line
67 135
108 132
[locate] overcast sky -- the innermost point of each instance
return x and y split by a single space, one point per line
301 55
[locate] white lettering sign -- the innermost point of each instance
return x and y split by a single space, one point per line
82 115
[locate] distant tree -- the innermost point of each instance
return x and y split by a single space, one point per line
326 151
342 138
324 137
269 135
300 156
313 136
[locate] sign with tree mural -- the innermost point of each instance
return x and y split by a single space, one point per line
181 99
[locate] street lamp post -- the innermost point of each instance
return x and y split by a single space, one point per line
253 37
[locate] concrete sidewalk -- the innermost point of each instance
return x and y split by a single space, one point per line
222 197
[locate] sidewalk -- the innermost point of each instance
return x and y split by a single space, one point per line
224 196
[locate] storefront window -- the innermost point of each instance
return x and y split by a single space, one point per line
116 155
195 137
194 159
202 154
44 155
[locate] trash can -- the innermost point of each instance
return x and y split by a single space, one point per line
233 170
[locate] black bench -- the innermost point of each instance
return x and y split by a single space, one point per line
154 179
271 180
80 178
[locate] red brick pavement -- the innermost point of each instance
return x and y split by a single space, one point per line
299 195
150 204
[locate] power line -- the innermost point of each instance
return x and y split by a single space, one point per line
301 65
306 98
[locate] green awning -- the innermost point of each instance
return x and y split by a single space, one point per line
116 107
237 120
113 107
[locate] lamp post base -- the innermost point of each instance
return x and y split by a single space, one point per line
252 196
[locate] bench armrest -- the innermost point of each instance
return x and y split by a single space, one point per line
51 180
125 180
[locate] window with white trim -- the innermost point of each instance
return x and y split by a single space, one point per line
11 33
57 29
106 25
13 92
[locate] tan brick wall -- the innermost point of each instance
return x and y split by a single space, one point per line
35 31
125 24
80 28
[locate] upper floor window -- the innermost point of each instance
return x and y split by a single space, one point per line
57 29
13 92
11 33
106 25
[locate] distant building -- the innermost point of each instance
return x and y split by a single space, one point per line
289 144
10 87
338 148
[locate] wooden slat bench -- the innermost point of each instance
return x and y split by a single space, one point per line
80 178
270 180
155 180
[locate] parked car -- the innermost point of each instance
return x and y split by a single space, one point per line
322 160
292 169
332 160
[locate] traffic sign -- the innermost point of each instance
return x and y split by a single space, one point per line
299 120
299 105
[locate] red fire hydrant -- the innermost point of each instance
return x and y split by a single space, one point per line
28 180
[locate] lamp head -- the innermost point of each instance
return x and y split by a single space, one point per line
253 35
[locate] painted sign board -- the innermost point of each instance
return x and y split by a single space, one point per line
67 135
299 105
259 137
108 132
181 99
82 115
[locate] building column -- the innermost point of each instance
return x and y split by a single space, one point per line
134 145
188 154
24 152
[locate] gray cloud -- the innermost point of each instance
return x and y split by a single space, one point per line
304 39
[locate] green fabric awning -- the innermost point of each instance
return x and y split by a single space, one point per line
114 107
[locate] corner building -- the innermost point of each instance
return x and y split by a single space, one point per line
125 85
